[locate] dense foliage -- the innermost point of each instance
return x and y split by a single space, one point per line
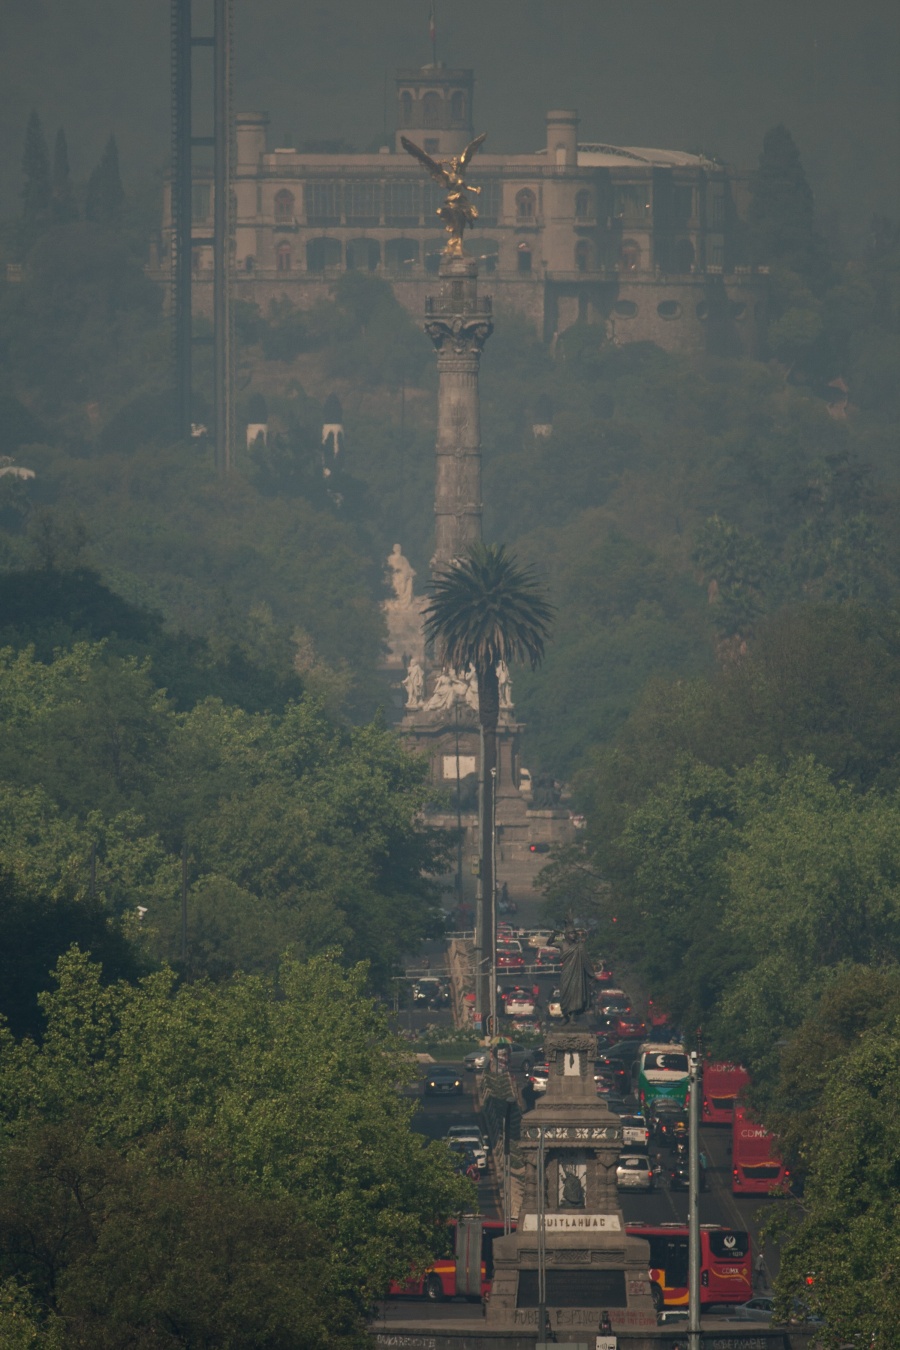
208 1165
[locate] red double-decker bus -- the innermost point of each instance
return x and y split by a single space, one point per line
756 1164
467 1270
726 1267
722 1084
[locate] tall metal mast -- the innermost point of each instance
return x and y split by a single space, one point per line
183 239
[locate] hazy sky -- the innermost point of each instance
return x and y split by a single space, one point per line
691 74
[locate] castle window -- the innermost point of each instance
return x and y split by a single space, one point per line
431 109
284 207
362 203
583 209
406 108
363 255
683 256
433 261
200 201
630 202
323 255
584 260
432 145
486 251
526 205
433 197
457 105
249 263
490 201
283 258
625 309
401 203
668 309
682 205
629 256
523 258
401 256
718 211
323 202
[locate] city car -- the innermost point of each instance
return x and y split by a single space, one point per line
548 957
760 1308
634 1172
541 938
539 1077
609 1001
518 1003
443 1081
635 1133
554 1007
430 992
519 1057
471 1136
510 961
465 1161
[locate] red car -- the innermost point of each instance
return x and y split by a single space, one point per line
630 1028
603 974
510 961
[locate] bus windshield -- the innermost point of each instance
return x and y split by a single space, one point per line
666 1063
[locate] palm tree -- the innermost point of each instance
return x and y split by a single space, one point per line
484 608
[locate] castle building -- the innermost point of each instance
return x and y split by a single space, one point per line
641 241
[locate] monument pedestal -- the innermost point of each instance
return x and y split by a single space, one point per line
570 1254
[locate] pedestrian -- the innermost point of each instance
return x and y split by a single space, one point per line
760 1279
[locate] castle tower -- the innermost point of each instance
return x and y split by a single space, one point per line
434 109
458 325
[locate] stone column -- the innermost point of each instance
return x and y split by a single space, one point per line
458 325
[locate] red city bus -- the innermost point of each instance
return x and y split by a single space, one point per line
468 1270
756 1166
726 1268
722 1084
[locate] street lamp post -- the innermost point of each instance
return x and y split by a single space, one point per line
694 1204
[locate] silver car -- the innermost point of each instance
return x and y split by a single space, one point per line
634 1172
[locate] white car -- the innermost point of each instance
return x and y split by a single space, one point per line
634 1172
635 1133
542 938
471 1136
519 1005
554 1007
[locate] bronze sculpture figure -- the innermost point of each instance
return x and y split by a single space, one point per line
458 211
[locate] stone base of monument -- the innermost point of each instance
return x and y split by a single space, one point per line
570 1254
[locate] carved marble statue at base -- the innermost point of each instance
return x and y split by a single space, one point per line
414 684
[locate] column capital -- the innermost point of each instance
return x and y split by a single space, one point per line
459 336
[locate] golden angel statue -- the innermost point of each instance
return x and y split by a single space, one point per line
457 212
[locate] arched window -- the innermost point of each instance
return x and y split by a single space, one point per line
683 256
363 255
283 258
526 205
406 107
583 205
401 256
523 258
486 251
584 256
284 207
323 254
457 105
431 109
629 256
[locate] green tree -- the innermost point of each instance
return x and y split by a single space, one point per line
781 213
847 1232
37 188
105 195
62 196
484 608
276 1099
